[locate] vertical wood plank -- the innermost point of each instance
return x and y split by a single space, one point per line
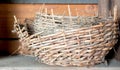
103 6
117 3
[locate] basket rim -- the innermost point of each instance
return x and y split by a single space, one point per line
100 24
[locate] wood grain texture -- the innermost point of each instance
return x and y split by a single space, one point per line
23 11
104 8
50 1
117 3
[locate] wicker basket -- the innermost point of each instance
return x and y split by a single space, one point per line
83 46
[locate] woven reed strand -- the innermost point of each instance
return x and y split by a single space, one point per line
78 47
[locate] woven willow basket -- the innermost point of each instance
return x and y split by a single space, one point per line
83 46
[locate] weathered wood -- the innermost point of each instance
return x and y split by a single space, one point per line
103 8
112 4
117 3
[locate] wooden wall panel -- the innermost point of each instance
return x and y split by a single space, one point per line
23 11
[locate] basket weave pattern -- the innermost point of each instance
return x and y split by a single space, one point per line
83 45
78 47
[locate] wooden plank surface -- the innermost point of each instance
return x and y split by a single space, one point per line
23 11
117 3
50 1
104 8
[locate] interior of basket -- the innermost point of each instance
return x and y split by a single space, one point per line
51 24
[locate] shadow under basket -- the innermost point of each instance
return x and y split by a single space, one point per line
83 46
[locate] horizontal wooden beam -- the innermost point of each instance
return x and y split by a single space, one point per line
51 1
